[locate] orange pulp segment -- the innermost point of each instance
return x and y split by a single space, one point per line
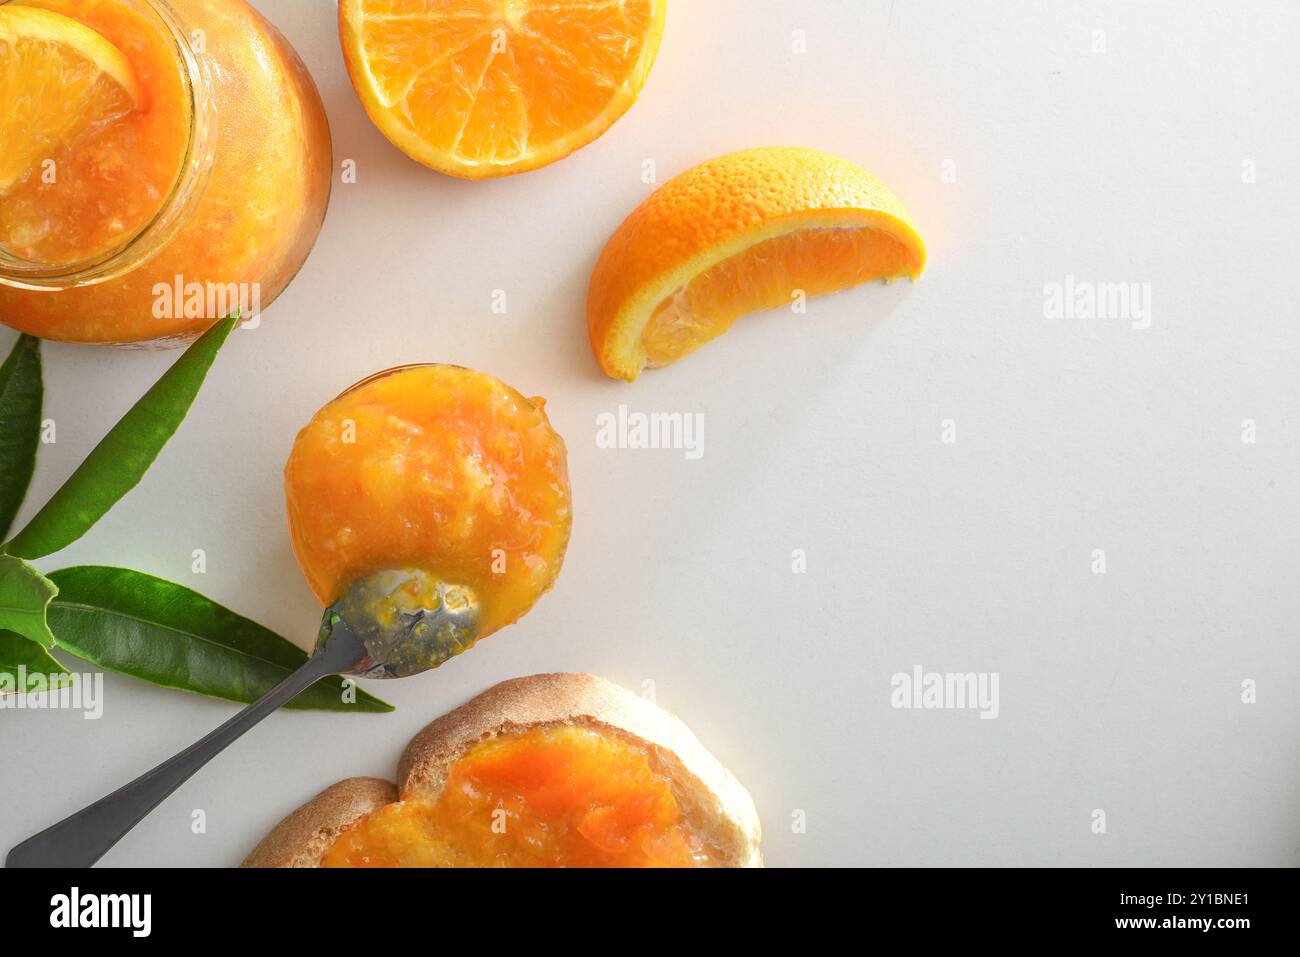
813 261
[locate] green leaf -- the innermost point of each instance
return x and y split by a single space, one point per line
24 595
20 425
165 633
19 652
117 464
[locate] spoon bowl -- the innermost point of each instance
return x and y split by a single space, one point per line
408 621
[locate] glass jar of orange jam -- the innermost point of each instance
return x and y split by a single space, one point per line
186 179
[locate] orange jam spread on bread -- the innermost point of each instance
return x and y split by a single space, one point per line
102 186
553 797
436 468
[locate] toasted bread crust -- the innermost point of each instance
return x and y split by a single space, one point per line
711 799
302 838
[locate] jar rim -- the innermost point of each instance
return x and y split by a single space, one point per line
186 188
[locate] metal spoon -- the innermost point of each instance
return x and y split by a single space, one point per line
388 625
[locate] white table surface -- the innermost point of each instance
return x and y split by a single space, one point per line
1025 155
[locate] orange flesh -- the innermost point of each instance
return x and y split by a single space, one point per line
558 797
438 468
112 179
767 275
490 82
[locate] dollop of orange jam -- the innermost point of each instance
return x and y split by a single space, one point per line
556 797
438 468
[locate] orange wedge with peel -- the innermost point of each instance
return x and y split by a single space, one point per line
483 88
747 231
58 78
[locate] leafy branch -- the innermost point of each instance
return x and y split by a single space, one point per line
116 618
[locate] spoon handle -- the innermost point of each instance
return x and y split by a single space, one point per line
83 838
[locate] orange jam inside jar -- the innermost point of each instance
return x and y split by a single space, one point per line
191 185
110 179
436 468
552 797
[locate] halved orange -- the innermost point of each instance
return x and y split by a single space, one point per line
747 231
58 78
481 88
